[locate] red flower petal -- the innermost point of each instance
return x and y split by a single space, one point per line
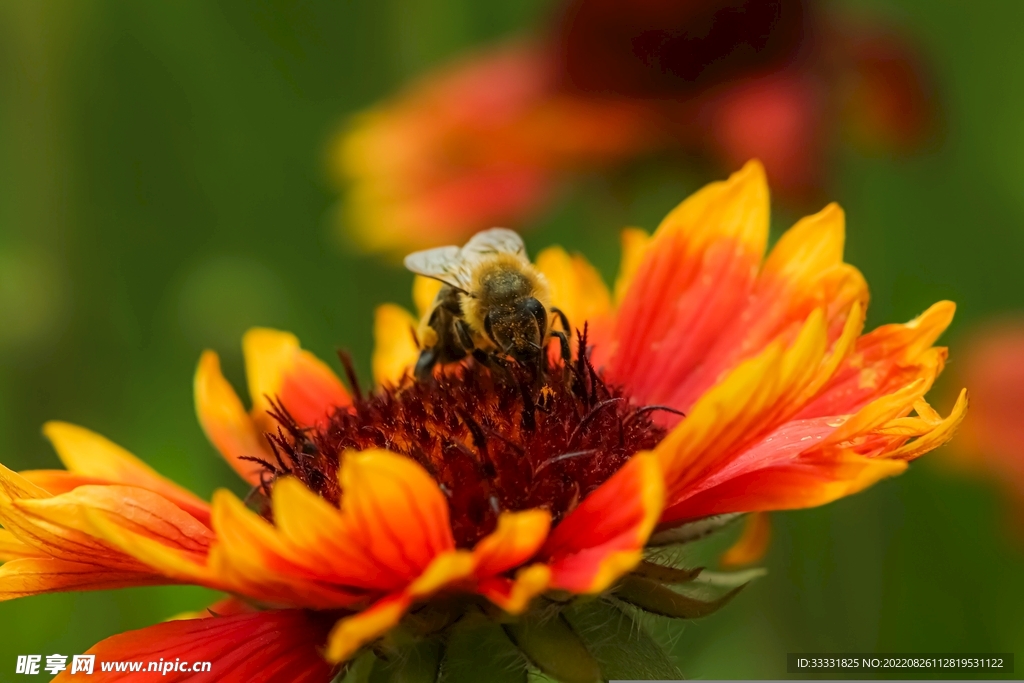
518 536
279 369
698 270
604 537
61 526
804 272
752 543
68 552
333 543
799 483
514 595
753 400
885 360
136 510
11 548
88 454
351 633
35 575
400 513
815 461
224 419
281 646
393 525
251 557
56 482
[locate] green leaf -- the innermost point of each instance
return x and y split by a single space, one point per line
478 649
418 663
553 647
660 599
621 645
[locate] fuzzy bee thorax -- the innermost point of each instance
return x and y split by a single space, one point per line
499 282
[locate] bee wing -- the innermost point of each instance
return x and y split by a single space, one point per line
494 241
453 266
443 263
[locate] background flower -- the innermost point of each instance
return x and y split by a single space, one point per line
993 442
144 146
489 139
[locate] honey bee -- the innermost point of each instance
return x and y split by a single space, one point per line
493 302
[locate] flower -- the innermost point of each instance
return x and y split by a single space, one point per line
992 442
473 146
489 139
484 499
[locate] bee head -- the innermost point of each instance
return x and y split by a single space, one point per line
518 329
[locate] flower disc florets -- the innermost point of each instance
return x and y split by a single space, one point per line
494 438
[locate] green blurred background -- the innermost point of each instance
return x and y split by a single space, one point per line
162 188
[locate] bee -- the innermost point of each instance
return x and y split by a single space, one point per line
493 302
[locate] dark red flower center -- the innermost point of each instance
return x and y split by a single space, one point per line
494 438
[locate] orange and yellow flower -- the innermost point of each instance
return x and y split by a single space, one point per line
991 444
491 138
403 508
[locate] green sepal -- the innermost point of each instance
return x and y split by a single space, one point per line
657 598
358 670
552 646
664 574
418 663
731 579
622 646
433 617
478 649
693 531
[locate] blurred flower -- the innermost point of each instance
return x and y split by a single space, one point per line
487 140
993 439
476 145
480 501
753 542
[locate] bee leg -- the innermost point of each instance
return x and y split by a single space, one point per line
562 319
563 342
464 336
425 365
496 364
